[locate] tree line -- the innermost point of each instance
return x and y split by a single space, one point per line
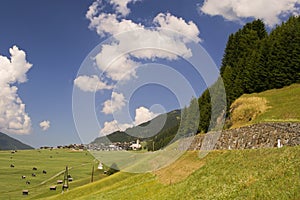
255 61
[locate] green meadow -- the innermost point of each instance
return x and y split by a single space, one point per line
80 164
244 174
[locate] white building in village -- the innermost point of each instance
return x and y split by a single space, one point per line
136 146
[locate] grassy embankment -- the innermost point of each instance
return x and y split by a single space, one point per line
277 105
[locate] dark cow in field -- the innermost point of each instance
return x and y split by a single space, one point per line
53 187
44 172
25 192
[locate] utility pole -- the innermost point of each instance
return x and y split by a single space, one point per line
92 178
65 185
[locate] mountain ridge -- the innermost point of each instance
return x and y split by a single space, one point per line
143 131
9 143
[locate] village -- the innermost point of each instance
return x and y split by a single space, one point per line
115 146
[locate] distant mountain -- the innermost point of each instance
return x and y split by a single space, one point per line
145 131
9 143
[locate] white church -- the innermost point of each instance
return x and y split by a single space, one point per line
136 146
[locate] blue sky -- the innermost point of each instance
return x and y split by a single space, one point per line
57 37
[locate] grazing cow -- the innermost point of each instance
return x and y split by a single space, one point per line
33 174
23 177
44 172
34 168
53 187
59 181
28 182
12 165
25 192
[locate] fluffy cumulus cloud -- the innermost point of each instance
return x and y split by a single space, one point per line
116 103
45 125
109 24
168 21
119 63
269 11
116 68
112 126
115 60
142 115
13 117
121 6
91 83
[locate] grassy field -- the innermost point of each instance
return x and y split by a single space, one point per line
277 105
245 174
54 162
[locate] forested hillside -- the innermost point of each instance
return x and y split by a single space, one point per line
255 61
145 131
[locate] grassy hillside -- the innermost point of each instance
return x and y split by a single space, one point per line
54 162
277 105
247 174
9 143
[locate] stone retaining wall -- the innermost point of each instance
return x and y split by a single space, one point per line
264 135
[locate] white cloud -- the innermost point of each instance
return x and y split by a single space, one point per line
112 126
91 83
109 24
142 115
116 68
269 11
93 9
168 21
151 43
45 125
116 103
121 6
13 117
